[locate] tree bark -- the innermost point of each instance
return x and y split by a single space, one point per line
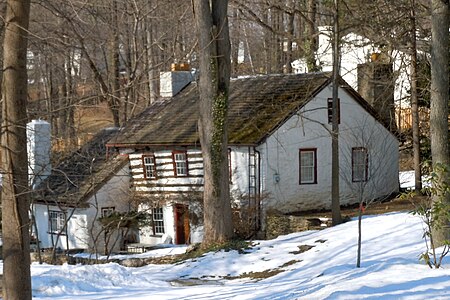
214 44
335 202
414 104
439 101
311 36
15 193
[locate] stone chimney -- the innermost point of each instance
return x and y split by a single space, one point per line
376 86
38 147
171 83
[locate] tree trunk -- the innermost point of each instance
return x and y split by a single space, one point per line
114 97
311 36
15 193
214 45
414 104
335 202
358 255
439 100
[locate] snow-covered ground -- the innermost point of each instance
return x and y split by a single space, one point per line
390 269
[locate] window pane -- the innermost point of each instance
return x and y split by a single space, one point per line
158 221
359 164
150 166
57 221
307 166
180 164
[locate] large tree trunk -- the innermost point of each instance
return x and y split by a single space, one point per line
439 100
414 104
311 36
214 45
114 97
15 194
335 202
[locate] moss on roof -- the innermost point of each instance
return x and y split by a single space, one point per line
257 106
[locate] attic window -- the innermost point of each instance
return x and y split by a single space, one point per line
360 164
308 166
180 163
330 110
149 164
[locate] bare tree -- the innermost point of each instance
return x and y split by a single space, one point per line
439 101
364 168
414 103
15 196
214 47
335 203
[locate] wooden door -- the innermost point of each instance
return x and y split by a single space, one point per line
182 224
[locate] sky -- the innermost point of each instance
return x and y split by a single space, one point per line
390 269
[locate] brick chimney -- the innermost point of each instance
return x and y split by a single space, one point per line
171 83
376 86
38 147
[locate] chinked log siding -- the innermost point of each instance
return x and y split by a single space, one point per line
166 182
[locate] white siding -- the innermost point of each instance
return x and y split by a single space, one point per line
83 227
309 129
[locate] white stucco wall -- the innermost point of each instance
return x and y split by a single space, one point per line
76 237
82 227
115 193
280 156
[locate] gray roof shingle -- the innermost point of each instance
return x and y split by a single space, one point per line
257 106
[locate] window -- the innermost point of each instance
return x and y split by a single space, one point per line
149 163
158 221
360 161
56 221
107 211
330 110
308 166
180 163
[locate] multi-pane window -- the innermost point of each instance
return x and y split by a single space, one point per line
360 164
149 163
56 221
330 110
308 166
180 163
158 221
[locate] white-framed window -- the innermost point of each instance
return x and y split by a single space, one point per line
107 211
149 163
56 221
308 166
180 163
158 221
360 164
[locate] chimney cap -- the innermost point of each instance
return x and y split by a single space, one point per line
180 67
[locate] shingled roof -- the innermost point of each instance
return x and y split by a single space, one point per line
81 173
257 106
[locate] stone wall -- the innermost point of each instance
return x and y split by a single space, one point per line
281 224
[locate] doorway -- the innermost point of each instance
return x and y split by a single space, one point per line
182 228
